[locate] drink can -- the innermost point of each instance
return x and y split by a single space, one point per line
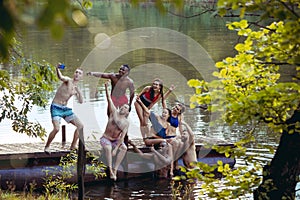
61 66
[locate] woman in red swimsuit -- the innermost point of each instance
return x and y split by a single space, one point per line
149 96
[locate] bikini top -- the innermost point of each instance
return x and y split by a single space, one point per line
147 97
174 121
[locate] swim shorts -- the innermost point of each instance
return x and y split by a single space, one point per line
119 101
60 111
104 141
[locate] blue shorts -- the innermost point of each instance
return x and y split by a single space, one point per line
60 111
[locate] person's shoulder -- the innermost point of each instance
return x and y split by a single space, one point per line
147 87
67 79
129 79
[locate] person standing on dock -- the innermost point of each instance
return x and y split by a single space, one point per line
59 108
120 82
112 140
149 96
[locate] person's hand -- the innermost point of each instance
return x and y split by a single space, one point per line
106 84
138 99
152 149
172 87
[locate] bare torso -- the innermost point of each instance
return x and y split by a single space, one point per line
116 126
120 85
65 91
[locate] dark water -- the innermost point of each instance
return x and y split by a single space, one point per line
114 21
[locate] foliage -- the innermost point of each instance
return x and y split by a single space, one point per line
19 95
51 14
247 90
58 178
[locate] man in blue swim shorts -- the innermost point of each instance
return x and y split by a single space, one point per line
59 110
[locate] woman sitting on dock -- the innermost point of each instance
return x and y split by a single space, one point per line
175 117
160 127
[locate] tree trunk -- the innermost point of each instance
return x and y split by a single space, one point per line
281 175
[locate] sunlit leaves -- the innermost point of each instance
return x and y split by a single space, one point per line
87 4
7 26
248 90
19 95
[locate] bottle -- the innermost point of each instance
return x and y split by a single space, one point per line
61 66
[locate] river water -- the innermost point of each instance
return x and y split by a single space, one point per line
167 46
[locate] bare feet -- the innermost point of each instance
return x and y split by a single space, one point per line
113 175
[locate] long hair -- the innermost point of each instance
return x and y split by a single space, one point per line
161 90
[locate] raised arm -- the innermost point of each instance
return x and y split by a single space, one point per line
111 106
167 94
60 76
189 130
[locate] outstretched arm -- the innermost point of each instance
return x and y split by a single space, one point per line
165 160
189 131
100 74
166 95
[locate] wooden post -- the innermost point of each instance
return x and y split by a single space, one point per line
81 166
63 132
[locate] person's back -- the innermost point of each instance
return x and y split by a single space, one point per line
189 156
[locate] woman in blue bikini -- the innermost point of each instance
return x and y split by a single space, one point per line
160 127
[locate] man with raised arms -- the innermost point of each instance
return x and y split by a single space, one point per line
112 140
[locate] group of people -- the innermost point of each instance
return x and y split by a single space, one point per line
162 133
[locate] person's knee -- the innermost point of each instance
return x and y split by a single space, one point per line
80 126
123 148
56 129
107 147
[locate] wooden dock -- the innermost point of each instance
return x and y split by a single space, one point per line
22 163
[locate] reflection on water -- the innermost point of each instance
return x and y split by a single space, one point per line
139 188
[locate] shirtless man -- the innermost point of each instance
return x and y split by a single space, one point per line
184 145
113 138
120 83
59 110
